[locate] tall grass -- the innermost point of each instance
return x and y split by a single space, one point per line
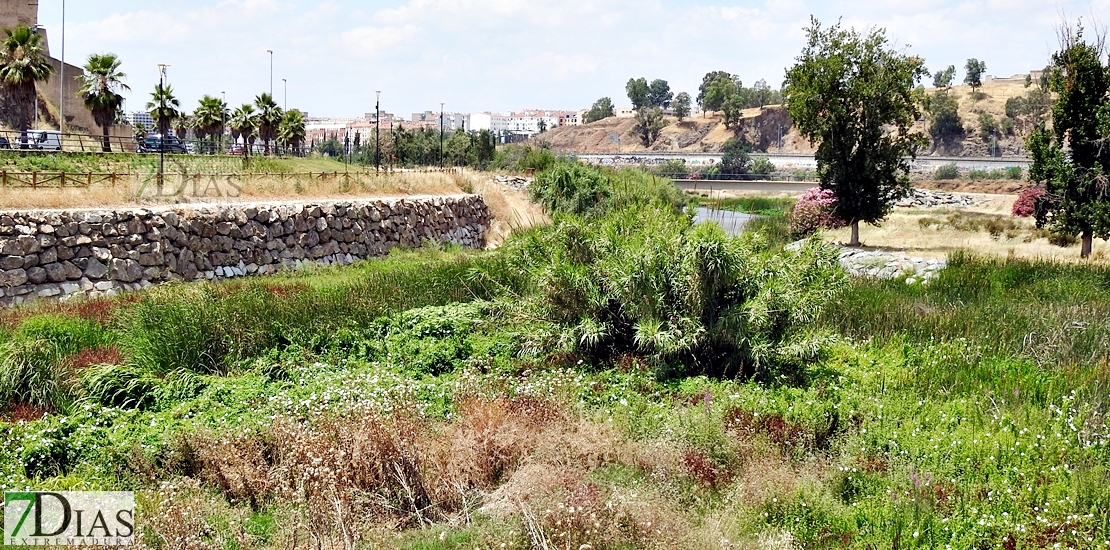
34 361
1038 327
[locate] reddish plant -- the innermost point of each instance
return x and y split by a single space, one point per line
1026 203
703 470
95 356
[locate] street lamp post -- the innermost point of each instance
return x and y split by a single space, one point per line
377 130
62 77
271 52
161 133
285 95
441 135
223 120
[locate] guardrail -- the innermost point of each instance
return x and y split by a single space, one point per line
52 141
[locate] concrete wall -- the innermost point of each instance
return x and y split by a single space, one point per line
60 254
14 13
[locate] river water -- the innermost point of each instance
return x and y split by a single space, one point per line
732 222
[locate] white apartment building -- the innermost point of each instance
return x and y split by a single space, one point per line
525 123
136 118
451 121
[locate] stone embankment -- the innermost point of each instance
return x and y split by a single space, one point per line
512 182
924 198
886 265
60 254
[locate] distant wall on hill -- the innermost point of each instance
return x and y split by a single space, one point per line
60 254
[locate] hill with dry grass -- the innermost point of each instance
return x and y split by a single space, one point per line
706 132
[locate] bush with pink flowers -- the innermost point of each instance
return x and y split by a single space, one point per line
814 211
1026 203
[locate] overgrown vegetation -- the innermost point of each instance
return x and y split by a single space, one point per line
621 379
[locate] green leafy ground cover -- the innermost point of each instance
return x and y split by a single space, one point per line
623 381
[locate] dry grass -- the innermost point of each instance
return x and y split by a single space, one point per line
511 209
903 232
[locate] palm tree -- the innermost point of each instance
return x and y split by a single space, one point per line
163 107
23 63
182 125
210 118
98 87
244 124
269 118
291 133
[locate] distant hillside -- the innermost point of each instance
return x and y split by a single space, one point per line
706 133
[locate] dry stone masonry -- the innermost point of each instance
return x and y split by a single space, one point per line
924 198
60 254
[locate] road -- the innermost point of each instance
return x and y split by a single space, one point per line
650 158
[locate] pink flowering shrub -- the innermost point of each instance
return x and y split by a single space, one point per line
814 211
1027 201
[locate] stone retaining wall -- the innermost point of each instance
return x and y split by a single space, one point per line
59 254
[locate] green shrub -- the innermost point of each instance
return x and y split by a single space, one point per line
946 172
762 166
644 280
572 187
675 169
520 158
33 362
1014 172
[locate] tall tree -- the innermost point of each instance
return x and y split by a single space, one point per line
649 124
944 77
681 105
291 133
244 124
853 95
974 77
269 118
100 86
659 94
1072 159
715 94
945 126
23 63
210 118
163 107
602 108
707 82
638 91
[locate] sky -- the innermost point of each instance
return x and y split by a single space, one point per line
502 55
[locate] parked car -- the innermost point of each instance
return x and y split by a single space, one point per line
43 140
4 144
154 143
236 149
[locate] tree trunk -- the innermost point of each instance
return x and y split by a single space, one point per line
107 140
855 234
1085 251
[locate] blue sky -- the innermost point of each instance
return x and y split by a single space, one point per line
498 55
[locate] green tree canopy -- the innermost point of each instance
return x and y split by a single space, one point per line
100 87
707 82
945 126
164 107
713 94
269 118
681 105
659 94
23 63
975 70
944 77
736 159
291 131
1072 159
244 124
638 91
210 117
853 95
602 108
649 124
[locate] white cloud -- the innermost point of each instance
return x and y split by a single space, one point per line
508 54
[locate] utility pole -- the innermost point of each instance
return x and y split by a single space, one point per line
161 133
441 135
377 130
271 52
62 77
223 120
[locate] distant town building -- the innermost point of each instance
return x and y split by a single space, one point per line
523 123
451 121
136 118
